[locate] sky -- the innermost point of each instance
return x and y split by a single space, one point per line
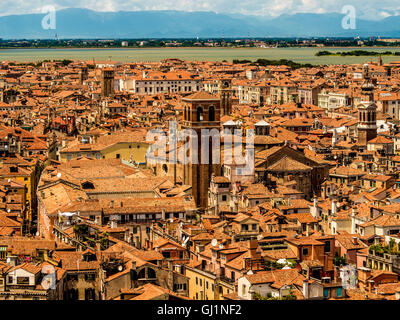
365 9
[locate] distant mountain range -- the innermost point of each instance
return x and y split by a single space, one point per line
87 24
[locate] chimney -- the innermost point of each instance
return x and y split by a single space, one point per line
307 229
305 289
163 214
370 285
113 224
112 204
315 202
334 207
170 275
355 240
253 244
12 261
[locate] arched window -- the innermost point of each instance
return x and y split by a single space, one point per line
211 114
199 114
151 274
87 185
142 274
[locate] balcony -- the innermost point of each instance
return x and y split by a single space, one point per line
382 256
249 231
226 279
200 124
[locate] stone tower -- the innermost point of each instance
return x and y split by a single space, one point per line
366 127
202 111
83 74
225 92
107 82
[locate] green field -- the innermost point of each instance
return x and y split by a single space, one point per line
301 55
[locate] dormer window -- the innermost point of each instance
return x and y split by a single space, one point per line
13 169
87 185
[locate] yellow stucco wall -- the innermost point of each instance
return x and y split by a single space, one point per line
136 150
206 287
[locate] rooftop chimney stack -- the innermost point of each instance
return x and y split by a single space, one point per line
370 285
305 289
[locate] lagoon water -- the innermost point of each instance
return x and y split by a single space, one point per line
301 55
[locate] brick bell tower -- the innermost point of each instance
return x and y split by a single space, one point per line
366 127
201 111
107 82
225 92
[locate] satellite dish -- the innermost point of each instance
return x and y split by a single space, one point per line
120 268
37 233
9 180
221 246
259 237
8 210
250 272
59 175
214 242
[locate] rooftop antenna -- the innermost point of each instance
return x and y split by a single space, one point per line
214 242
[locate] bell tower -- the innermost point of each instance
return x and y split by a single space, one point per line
366 127
107 82
225 92
202 111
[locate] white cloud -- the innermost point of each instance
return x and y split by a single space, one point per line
369 9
